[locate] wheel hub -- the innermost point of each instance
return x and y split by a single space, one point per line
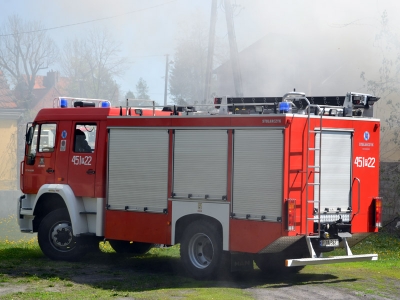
201 250
61 235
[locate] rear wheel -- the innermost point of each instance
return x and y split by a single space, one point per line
201 250
56 238
130 247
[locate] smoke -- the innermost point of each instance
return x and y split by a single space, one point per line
316 46
342 30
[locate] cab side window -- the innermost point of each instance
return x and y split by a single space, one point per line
33 146
47 137
85 138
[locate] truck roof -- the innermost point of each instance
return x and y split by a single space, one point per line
82 109
92 113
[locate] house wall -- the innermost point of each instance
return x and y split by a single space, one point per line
8 154
389 190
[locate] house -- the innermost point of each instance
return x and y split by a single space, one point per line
10 115
47 88
278 63
13 120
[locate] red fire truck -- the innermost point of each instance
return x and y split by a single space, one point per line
275 180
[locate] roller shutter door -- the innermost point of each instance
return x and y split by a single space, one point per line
336 162
138 169
200 164
258 171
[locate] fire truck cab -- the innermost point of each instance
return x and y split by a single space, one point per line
277 180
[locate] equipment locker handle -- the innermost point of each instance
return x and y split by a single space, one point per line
359 186
91 172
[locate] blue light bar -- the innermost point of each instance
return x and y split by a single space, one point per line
105 104
63 103
284 107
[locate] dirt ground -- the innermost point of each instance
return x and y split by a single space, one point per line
300 292
107 272
310 291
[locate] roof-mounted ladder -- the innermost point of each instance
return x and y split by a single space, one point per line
311 170
311 179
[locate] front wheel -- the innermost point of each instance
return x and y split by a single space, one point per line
56 238
201 250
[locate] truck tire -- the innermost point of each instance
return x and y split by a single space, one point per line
56 239
274 264
201 250
91 244
130 247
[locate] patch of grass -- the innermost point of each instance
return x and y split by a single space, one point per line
158 274
102 275
379 277
9 230
4 278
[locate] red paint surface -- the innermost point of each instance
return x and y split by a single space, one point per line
36 175
252 236
245 236
81 181
137 226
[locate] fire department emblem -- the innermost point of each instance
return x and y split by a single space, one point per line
366 135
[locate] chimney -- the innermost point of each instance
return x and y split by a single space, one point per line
51 79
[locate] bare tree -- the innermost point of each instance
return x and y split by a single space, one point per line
187 75
142 89
92 63
387 86
25 49
188 70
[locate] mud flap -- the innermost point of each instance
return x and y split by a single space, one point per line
241 262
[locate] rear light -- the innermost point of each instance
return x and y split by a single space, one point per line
291 216
378 212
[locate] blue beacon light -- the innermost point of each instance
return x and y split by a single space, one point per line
105 104
63 103
284 107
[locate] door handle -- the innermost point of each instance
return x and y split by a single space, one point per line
50 170
91 172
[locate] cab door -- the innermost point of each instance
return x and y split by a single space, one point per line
39 163
82 158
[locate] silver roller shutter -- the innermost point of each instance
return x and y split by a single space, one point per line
138 169
200 164
258 171
336 156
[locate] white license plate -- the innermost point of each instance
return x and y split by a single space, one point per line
329 243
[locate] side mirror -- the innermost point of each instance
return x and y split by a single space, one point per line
29 135
30 161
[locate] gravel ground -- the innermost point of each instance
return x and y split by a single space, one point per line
308 292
